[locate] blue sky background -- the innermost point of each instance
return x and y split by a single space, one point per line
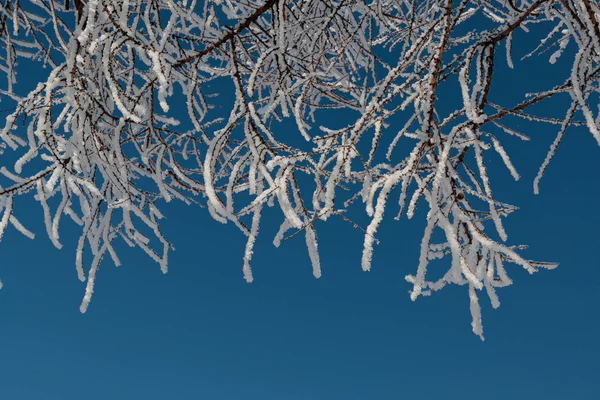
201 332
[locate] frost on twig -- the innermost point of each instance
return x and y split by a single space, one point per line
104 140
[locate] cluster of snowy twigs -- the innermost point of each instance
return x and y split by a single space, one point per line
101 143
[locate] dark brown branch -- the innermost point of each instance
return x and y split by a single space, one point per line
245 24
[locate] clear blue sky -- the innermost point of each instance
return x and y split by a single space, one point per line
201 332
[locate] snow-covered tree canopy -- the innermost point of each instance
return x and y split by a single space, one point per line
332 104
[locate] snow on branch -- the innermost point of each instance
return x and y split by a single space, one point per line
125 118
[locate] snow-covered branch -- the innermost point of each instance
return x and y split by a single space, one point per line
305 119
